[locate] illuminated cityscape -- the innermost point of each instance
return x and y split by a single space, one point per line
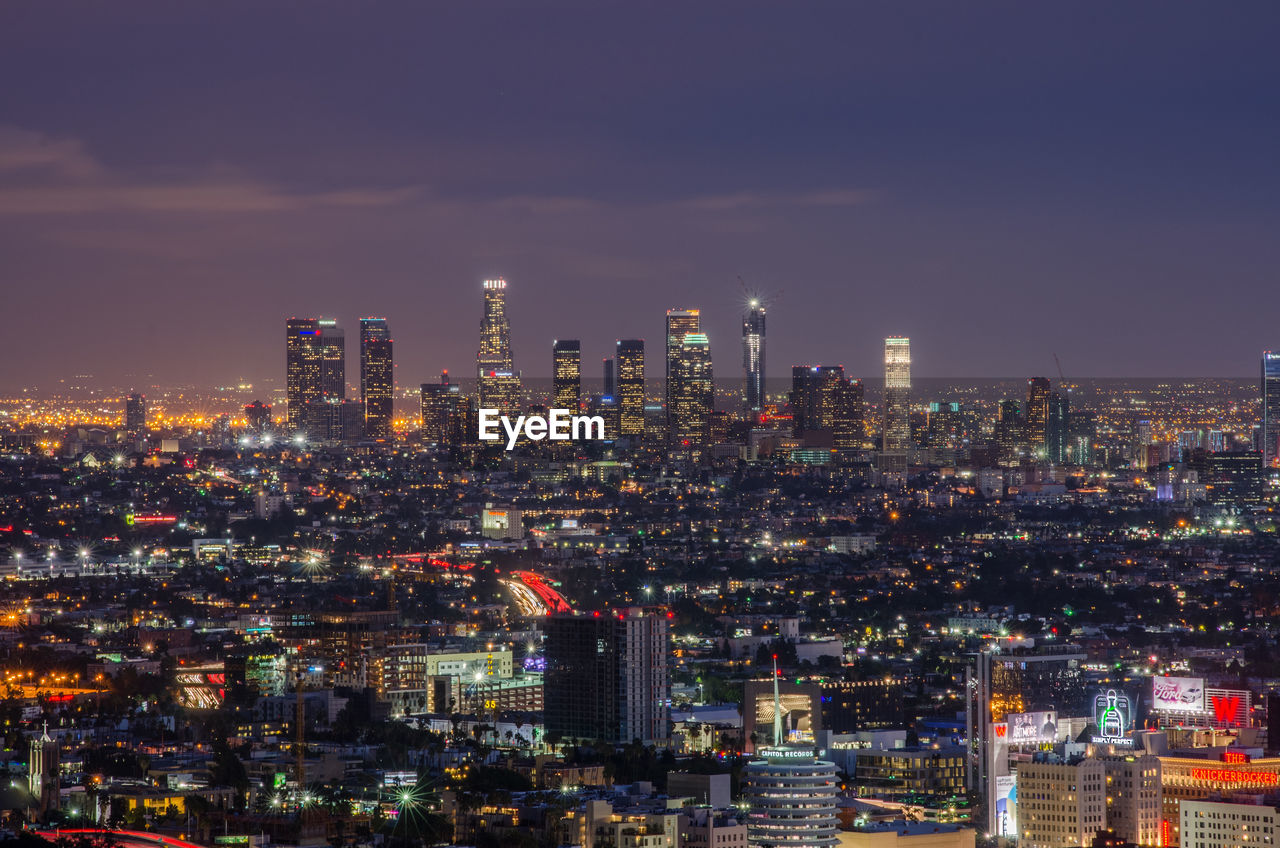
978 546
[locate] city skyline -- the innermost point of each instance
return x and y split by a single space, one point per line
1060 201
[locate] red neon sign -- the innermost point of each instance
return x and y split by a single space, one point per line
1222 775
1225 708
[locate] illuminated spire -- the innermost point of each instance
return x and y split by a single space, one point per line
777 706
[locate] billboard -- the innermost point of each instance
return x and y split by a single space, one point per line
1007 805
1115 714
1032 728
1177 694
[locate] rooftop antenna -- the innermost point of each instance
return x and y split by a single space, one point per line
777 706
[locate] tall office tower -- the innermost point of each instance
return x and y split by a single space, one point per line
443 412
607 677
680 322
695 394
1010 433
566 374
1082 431
1044 680
302 367
824 399
377 378
499 385
753 356
610 384
333 361
897 394
847 428
1057 428
44 772
791 793
1270 408
135 414
257 416
945 425
315 370
1037 414
629 359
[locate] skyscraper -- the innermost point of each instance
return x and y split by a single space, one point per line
607 676
1270 408
1038 391
315 371
753 356
135 414
695 394
377 377
302 368
499 385
610 384
629 359
897 394
1057 428
680 322
566 374
442 412
824 399
257 416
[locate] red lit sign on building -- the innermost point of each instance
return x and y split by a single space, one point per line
1235 757
1225 707
1222 775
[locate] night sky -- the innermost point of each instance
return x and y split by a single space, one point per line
1001 182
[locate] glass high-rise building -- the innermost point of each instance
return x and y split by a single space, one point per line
695 393
680 322
302 369
629 364
315 369
1058 428
610 384
824 399
566 374
377 377
897 394
1270 408
1038 391
443 412
499 385
607 677
135 414
753 356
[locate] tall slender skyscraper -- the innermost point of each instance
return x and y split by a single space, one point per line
1038 391
753 356
680 322
315 369
695 395
566 374
1057 428
897 393
377 377
302 370
1270 408
499 385
629 359
135 414
610 381
443 412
